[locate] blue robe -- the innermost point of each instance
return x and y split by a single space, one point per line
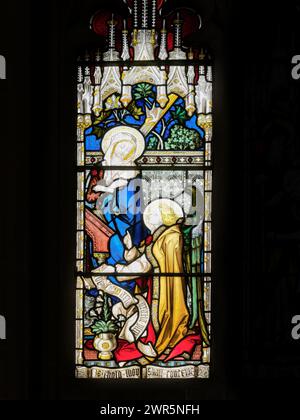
123 212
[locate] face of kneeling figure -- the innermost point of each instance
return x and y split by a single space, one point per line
162 212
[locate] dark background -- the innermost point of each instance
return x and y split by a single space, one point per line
256 201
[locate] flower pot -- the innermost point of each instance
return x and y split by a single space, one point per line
105 343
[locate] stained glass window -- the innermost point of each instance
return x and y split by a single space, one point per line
144 198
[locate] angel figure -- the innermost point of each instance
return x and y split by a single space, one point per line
163 258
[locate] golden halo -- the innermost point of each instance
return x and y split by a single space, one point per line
157 207
136 135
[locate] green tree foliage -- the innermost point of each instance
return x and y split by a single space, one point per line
143 91
182 138
134 110
179 115
153 143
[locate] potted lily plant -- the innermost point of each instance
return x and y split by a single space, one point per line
105 329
